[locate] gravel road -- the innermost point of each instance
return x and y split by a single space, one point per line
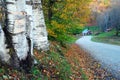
108 55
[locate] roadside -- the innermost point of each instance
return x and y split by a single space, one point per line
107 54
82 62
107 37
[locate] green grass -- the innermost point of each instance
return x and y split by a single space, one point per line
83 75
52 61
107 34
72 39
94 28
107 37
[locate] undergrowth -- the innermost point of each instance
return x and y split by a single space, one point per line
52 65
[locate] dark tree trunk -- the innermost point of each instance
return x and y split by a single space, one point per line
50 5
117 30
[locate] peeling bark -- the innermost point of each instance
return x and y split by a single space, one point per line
40 38
17 28
25 28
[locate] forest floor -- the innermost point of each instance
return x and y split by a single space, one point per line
72 64
82 62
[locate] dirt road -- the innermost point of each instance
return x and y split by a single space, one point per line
108 55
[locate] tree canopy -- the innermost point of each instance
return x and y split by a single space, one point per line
65 17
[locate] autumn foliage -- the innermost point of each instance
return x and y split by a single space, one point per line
65 18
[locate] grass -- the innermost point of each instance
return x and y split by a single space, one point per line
94 28
52 65
72 39
83 75
107 37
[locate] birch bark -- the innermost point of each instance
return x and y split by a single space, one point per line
40 38
25 28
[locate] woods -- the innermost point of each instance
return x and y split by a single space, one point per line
107 16
65 18
38 38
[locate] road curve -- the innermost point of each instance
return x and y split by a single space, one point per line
108 55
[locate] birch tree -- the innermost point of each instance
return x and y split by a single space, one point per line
24 30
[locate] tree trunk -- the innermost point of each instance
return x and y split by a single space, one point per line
16 16
40 38
3 51
117 30
50 4
25 28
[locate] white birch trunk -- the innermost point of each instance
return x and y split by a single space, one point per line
25 29
40 38
17 27
29 23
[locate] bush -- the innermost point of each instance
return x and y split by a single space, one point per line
75 30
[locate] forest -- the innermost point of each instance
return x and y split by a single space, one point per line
59 39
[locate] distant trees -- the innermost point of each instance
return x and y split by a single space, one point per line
110 18
115 18
102 20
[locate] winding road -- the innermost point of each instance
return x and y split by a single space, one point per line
107 54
